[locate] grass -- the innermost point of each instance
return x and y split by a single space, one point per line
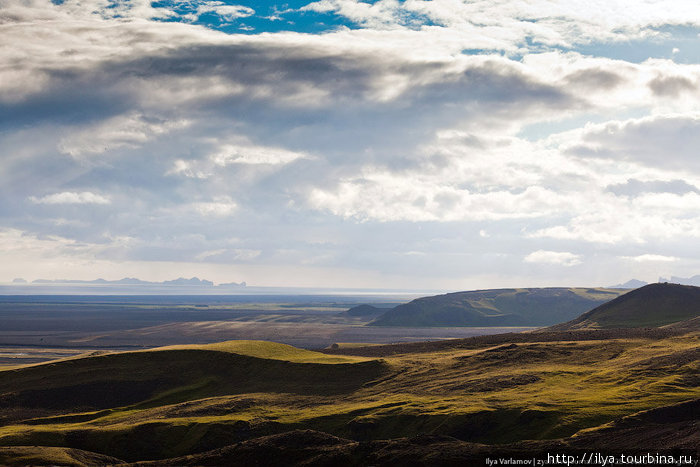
185 399
34 455
649 306
269 350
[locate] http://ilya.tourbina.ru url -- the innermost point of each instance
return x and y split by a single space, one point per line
599 459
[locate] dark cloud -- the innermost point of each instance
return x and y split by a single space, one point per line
303 98
672 86
595 79
73 101
634 187
669 142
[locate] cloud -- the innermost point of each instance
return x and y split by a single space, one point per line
381 14
236 155
562 258
226 12
68 197
563 23
225 255
227 154
595 79
672 86
634 187
664 141
651 258
221 207
625 224
385 197
130 130
438 139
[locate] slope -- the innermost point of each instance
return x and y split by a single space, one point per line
498 307
650 306
175 374
660 429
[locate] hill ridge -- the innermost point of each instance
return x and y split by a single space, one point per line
534 307
653 305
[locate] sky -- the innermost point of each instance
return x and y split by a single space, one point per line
446 144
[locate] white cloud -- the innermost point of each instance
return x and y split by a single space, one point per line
227 12
562 258
20 248
388 198
666 141
69 197
220 207
227 154
228 254
236 152
629 225
561 22
651 258
130 130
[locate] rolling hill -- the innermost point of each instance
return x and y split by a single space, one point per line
498 307
650 306
459 401
451 402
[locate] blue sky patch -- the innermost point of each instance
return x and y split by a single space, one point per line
268 17
677 43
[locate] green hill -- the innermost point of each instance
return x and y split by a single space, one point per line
365 311
265 350
649 306
498 307
257 403
175 374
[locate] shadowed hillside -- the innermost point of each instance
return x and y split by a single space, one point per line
499 307
671 427
649 306
176 374
41 455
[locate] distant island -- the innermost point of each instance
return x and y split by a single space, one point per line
195 281
126 285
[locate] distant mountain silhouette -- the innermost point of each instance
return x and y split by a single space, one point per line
650 306
193 281
233 284
132 281
630 284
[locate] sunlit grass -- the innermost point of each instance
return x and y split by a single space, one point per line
268 350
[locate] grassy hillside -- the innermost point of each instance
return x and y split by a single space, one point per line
173 402
266 350
365 311
175 374
500 307
649 306
41 455
662 429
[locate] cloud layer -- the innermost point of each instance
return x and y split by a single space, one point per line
415 144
